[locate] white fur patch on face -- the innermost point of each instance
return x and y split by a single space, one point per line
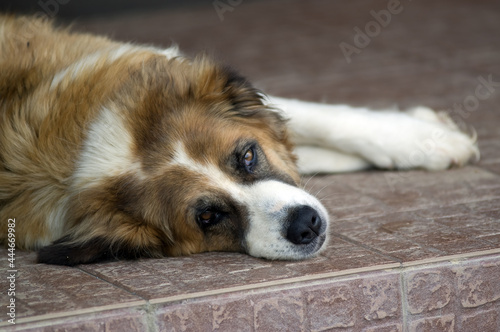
107 151
269 203
213 173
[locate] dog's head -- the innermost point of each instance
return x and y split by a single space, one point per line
209 168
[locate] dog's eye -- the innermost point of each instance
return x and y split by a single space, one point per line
250 159
249 156
208 217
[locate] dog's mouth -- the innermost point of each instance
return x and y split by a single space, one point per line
314 248
304 251
286 250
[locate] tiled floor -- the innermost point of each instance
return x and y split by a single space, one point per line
409 251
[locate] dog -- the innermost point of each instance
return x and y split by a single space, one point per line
112 150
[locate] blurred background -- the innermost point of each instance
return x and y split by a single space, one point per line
71 9
378 53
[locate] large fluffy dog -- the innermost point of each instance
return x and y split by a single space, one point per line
112 150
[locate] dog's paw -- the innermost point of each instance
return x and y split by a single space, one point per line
431 116
420 138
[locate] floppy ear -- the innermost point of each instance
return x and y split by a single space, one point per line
67 252
249 103
107 223
106 234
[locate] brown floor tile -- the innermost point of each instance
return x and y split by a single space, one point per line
431 235
213 315
276 311
487 320
372 300
493 239
395 327
115 321
45 289
484 272
454 294
430 290
383 241
441 323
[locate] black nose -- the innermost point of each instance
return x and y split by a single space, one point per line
305 224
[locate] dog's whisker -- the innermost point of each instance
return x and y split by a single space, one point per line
304 186
321 190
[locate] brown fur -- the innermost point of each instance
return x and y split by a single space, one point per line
42 132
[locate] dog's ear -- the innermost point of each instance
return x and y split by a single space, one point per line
104 237
108 224
249 103
65 251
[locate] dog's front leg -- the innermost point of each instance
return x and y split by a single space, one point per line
359 137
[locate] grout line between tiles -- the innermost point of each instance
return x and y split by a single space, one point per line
77 312
404 300
364 246
118 286
151 318
451 257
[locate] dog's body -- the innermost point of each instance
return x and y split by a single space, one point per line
120 151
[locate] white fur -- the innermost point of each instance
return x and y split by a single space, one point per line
75 69
216 178
170 52
56 220
391 139
107 151
314 160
